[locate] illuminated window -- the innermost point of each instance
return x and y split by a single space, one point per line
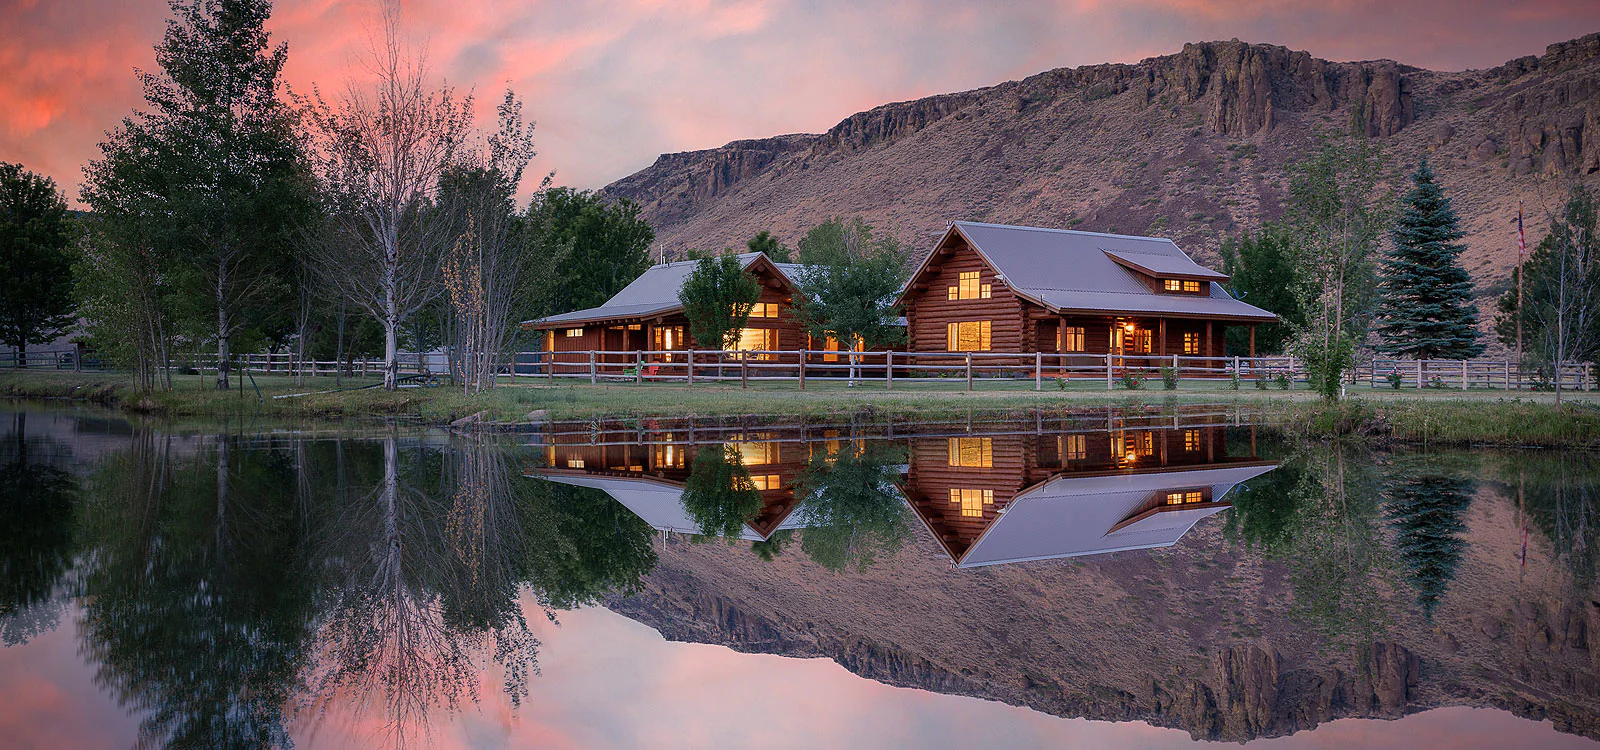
574 463
1191 440
636 327
977 453
1191 343
1072 339
573 333
1174 285
668 456
972 502
968 336
764 310
549 341
1185 497
766 482
1193 287
1178 285
756 339
1130 448
1074 447
756 454
968 287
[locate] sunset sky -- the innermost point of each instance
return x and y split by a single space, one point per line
614 83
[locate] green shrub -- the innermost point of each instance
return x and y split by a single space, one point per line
1395 378
1131 380
1261 380
1283 381
1169 378
1233 381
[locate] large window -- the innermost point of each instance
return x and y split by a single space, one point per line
1191 441
977 453
574 333
968 287
1074 447
1191 343
764 482
967 336
1180 285
669 456
756 454
1184 497
1072 339
972 501
756 339
764 310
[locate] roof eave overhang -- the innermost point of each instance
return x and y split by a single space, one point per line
1136 268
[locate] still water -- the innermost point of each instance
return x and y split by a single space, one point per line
1089 578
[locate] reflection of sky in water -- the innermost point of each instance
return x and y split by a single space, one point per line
611 682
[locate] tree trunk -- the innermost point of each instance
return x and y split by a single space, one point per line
391 341
338 368
222 342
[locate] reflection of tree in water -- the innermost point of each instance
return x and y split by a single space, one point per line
197 602
1559 493
718 493
221 585
424 583
36 503
1425 511
851 507
1318 513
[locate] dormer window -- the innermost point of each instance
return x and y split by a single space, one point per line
1181 286
1185 497
968 287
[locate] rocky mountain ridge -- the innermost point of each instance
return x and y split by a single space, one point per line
1190 146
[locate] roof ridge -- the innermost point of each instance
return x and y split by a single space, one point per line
1066 231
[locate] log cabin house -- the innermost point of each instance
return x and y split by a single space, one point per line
646 316
649 479
1014 498
1001 288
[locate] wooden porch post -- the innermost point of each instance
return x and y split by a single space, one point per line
1163 325
1207 349
1252 341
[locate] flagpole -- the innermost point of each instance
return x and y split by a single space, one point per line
1522 250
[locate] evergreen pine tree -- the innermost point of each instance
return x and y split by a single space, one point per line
1425 309
1425 513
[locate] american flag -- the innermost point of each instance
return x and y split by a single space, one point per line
1522 242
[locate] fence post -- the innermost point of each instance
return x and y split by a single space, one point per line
1175 371
969 371
1508 375
888 370
1586 376
690 362
1038 371
1419 374
592 379
1108 371
802 369
1463 374
744 371
638 367
1236 372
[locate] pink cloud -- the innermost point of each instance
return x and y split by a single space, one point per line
613 83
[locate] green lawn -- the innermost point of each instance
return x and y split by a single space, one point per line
1446 416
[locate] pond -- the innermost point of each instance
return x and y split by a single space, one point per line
1112 576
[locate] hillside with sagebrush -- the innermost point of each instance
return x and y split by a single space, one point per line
1191 146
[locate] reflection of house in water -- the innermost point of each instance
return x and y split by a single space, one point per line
649 478
1011 498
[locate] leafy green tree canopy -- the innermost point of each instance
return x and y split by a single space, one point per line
717 298
1262 270
718 493
36 302
1425 305
601 245
764 242
848 287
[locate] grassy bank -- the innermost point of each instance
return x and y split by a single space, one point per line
1438 417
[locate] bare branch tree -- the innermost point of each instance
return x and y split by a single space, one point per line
379 155
486 264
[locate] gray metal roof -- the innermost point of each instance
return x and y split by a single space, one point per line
659 502
1067 271
1070 516
655 292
